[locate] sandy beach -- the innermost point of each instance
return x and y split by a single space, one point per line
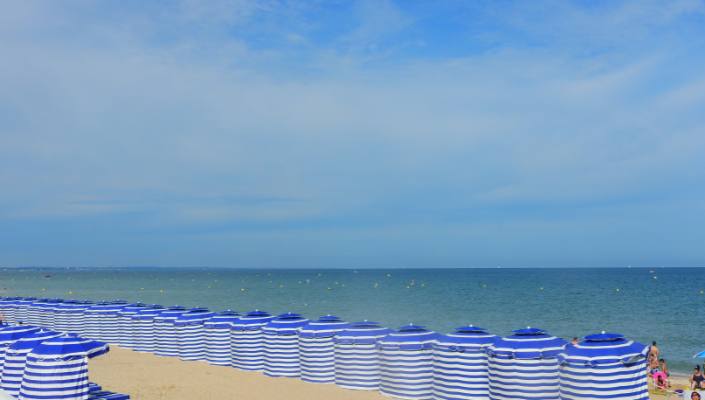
149 377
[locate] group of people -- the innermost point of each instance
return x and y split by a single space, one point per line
658 369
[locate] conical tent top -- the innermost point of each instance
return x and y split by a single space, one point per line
70 345
470 329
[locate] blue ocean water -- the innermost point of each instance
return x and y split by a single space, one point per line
665 304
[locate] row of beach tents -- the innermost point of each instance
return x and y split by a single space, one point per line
410 362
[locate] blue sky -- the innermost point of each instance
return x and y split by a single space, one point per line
352 134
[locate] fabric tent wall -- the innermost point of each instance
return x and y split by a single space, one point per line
16 358
525 366
604 366
22 309
357 356
247 341
92 316
281 345
189 327
217 337
143 336
406 363
460 364
317 349
166 338
58 369
10 334
126 324
109 322
48 313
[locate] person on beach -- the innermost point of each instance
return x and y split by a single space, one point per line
697 380
574 341
654 351
695 396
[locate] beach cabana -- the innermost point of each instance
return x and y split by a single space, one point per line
165 335
524 366
357 355
92 315
191 335
48 313
58 368
68 316
126 324
16 357
10 334
281 345
603 366
317 349
406 363
143 336
22 306
34 311
109 322
247 341
217 337
8 305
460 364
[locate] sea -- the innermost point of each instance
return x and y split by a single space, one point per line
666 305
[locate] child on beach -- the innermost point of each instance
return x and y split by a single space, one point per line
697 379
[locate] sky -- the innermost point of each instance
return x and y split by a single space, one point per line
337 134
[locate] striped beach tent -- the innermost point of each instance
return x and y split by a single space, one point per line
143 336
77 317
603 366
524 366
166 338
34 311
317 349
406 363
10 334
247 341
217 337
107 395
281 345
16 357
65 313
92 320
126 330
48 313
460 364
8 305
110 322
191 335
58 368
357 356
22 306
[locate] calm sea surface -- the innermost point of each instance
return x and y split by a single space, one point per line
666 305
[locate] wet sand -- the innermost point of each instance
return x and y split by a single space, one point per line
148 377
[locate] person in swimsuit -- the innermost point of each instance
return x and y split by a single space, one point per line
695 396
697 380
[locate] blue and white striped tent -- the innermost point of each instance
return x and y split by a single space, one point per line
247 341
92 316
460 364
58 368
68 316
604 366
281 345
22 307
16 357
143 334
191 335
125 315
525 366
166 337
357 356
48 313
77 317
317 349
217 337
107 395
8 305
406 363
10 334
34 311
110 323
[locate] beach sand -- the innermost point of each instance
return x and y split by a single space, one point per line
149 377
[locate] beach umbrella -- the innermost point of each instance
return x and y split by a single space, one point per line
22 306
16 358
357 355
460 364
217 337
317 349
524 365
603 366
247 341
10 334
166 337
700 355
143 335
406 363
191 335
125 315
281 345
58 368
